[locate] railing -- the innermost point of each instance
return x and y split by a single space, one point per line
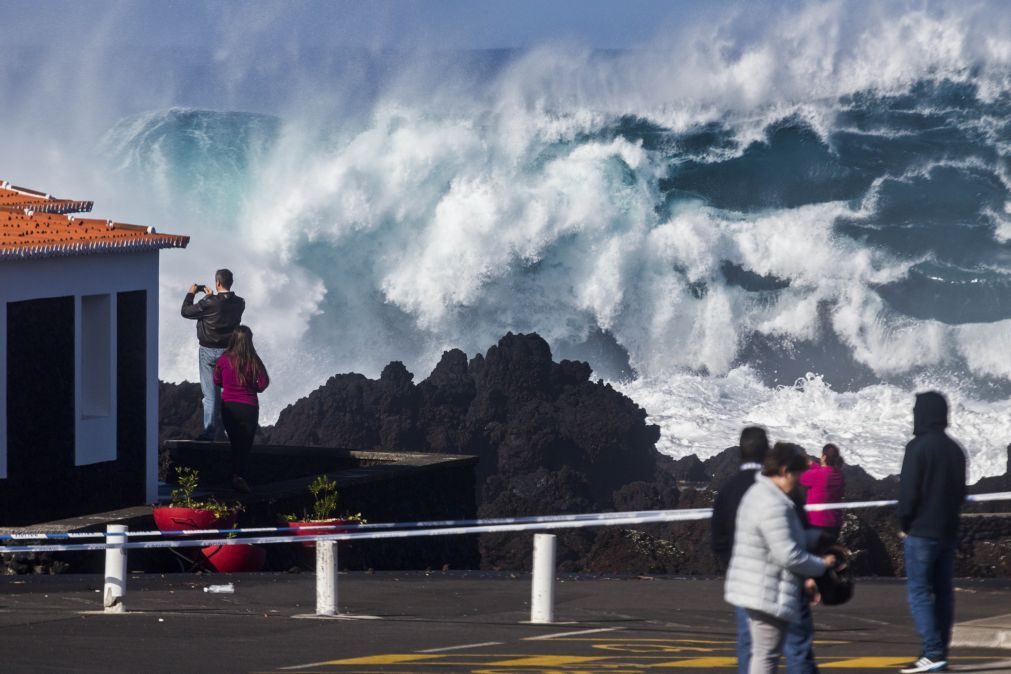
542 592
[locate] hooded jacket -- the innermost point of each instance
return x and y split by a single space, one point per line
932 482
216 316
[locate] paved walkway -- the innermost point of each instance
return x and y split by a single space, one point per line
439 622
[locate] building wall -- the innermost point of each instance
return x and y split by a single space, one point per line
78 407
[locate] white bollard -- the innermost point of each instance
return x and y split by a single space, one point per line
542 597
326 577
115 570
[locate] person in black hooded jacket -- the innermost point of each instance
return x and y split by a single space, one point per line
931 492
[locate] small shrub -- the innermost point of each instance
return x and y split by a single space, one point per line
324 506
182 497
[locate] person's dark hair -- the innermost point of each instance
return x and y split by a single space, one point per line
245 361
754 444
830 456
784 454
224 277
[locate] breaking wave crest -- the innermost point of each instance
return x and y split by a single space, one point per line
707 220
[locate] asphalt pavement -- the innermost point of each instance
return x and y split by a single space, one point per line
423 622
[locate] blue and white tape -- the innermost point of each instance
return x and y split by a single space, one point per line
432 528
344 526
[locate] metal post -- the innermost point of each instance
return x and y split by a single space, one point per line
115 570
542 597
326 578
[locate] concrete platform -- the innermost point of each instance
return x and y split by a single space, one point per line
381 485
441 622
984 633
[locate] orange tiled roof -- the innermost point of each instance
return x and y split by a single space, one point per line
33 224
13 196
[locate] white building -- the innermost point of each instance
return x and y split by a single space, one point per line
78 359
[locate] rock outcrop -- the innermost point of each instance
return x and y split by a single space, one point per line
552 441
549 439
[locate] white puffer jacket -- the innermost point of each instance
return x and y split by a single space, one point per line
769 561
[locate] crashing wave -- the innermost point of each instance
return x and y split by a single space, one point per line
829 194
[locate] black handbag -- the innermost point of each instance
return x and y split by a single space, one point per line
836 584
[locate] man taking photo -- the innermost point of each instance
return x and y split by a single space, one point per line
217 315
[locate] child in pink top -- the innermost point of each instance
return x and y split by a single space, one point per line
241 375
825 484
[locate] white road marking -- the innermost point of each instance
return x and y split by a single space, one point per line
572 634
338 616
460 648
868 620
311 664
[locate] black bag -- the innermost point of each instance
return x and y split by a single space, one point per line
836 584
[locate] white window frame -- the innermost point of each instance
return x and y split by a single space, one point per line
95 378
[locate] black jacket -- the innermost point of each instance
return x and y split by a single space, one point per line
216 316
932 483
725 514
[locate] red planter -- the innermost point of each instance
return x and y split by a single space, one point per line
178 519
299 531
235 558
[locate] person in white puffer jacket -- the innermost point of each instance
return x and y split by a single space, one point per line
770 559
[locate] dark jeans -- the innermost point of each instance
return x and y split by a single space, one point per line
798 647
930 567
240 423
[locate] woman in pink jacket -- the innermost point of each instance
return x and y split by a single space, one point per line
825 484
241 375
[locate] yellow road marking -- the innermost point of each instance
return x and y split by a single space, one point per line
514 663
712 661
868 662
545 661
391 659
605 669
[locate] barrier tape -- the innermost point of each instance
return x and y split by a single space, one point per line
356 527
451 528
660 516
996 496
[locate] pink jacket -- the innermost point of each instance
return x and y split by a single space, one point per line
825 484
232 390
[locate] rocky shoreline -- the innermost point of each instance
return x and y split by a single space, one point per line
550 441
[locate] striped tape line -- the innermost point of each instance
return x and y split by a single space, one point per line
447 528
355 527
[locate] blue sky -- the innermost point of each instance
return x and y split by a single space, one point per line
375 24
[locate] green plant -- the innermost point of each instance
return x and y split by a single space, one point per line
324 506
324 491
188 479
182 497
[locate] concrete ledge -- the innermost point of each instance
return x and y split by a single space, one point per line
355 468
984 633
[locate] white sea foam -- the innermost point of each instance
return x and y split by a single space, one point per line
704 415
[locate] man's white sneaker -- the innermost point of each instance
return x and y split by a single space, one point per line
925 665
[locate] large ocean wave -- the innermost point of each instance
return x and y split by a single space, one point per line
705 220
